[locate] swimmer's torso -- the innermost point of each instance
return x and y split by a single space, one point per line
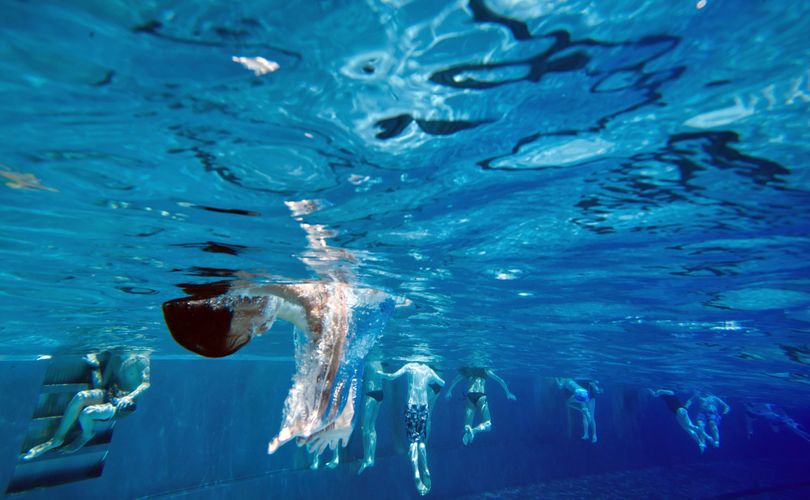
373 381
477 384
419 376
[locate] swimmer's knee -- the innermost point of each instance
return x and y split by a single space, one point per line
89 397
97 412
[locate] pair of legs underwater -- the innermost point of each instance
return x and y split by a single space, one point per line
583 401
678 408
373 396
476 400
86 407
710 409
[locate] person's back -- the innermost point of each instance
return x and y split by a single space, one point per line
421 378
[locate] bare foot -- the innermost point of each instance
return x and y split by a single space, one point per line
422 488
42 448
426 479
365 465
469 435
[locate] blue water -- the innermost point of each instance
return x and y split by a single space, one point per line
588 189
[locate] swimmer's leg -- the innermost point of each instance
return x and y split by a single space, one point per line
715 433
700 428
469 416
586 423
335 459
80 401
486 418
413 452
798 430
592 412
370 412
423 468
686 423
87 420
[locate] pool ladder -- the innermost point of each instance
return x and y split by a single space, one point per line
64 377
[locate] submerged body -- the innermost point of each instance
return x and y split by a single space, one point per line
336 324
422 381
775 416
476 399
373 396
710 411
125 376
679 409
584 401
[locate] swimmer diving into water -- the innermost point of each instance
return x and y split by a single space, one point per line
476 399
421 378
336 324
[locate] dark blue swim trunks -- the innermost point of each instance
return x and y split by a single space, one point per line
416 423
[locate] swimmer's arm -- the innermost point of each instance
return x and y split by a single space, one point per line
726 408
437 379
292 309
145 384
453 384
393 376
689 402
96 376
502 383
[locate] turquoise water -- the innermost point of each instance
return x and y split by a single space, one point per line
604 190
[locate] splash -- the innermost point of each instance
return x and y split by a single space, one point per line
319 409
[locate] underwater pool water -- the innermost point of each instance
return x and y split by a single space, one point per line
593 189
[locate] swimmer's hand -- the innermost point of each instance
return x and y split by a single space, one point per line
449 394
511 397
124 403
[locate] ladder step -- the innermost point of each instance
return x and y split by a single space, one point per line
60 388
60 470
